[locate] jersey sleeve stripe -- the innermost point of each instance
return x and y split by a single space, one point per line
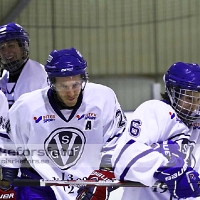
184 135
122 151
108 148
139 156
115 136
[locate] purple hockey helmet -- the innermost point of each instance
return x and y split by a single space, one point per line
14 32
182 84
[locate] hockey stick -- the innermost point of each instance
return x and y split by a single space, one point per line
113 183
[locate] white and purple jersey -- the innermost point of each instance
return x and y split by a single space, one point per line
3 106
66 144
32 77
152 122
7 148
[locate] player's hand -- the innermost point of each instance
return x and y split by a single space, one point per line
96 193
8 194
182 182
189 184
168 148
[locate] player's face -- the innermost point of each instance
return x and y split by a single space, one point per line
10 51
190 101
68 89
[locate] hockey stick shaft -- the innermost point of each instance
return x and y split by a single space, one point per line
114 183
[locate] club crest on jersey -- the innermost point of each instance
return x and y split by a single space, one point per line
45 118
64 146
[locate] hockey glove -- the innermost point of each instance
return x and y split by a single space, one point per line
6 192
182 181
96 193
168 148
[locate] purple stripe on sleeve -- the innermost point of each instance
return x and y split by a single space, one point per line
122 151
133 161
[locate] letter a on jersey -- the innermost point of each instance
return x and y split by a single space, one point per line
88 125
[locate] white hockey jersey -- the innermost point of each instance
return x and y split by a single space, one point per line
66 148
3 106
153 121
7 150
32 77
